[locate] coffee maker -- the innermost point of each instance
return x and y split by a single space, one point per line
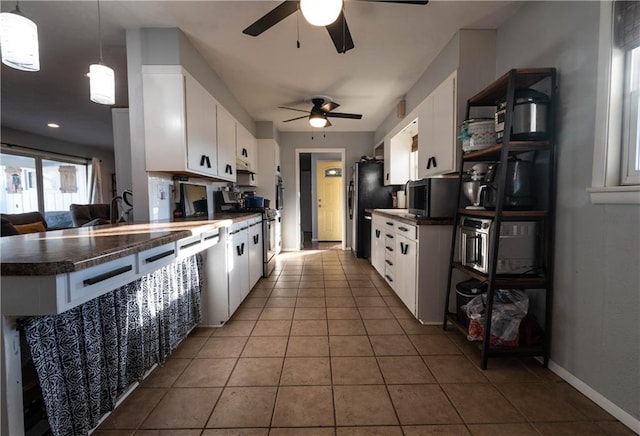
518 190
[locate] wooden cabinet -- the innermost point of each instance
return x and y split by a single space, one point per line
246 150
438 152
226 145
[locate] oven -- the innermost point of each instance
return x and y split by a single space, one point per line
279 193
517 246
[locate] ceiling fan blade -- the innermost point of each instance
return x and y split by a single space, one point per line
297 118
271 18
340 35
292 109
328 124
329 106
343 115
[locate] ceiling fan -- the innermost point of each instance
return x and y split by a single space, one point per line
321 110
328 13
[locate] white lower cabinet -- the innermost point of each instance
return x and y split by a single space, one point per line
413 260
238 264
255 251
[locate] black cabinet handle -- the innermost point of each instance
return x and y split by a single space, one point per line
389 248
230 170
244 152
208 162
431 161
159 256
238 250
211 237
390 223
256 238
242 251
388 278
377 233
182 247
253 179
278 168
404 229
388 262
387 176
389 236
107 275
203 158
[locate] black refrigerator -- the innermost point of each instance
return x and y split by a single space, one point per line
366 191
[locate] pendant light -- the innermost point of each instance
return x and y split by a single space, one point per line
19 39
321 12
102 83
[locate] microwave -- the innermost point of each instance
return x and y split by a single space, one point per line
432 198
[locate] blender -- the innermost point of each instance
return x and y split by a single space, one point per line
471 187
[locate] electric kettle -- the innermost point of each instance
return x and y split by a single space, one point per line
518 192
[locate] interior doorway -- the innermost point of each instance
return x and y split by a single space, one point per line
321 188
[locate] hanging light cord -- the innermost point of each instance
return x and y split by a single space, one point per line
100 32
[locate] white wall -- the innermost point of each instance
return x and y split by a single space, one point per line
596 315
357 144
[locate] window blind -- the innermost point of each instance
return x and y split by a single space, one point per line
627 24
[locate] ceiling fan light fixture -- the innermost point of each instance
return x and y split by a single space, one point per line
317 120
19 39
321 12
102 84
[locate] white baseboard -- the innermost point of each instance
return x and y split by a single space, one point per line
630 421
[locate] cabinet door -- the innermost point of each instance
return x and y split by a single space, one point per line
406 264
377 248
440 153
164 122
238 267
246 148
255 253
201 130
226 125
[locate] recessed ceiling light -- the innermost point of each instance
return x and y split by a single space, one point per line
53 125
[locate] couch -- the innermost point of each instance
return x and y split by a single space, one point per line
85 215
20 223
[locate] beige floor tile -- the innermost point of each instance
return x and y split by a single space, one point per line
254 302
171 432
355 371
281 302
413 327
311 292
341 302
263 292
615 428
392 300
264 284
481 403
376 313
303 406
272 328
350 346
440 430
164 376
370 302
308 346
244 407
285 285
401 312
365 292
360 283
567 428
202 331
363 405
134 410
289 278
342 312
369 431
247 314
222 346
312 277
383 327
189 347
263 371
119 433
332 284
509 371
346 327
183 408
588 408
299 371
310 284
454 369
285 292
276 313
310 313
267 346
206 373
539 402
392 345
310 302
404 370
235 328
236 432
502 430
338 292
422 404
309 327
302 431
434 344
334 277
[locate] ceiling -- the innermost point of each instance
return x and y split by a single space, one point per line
394 44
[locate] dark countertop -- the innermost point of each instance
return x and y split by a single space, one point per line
63 251
403 216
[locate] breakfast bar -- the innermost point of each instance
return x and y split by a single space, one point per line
99 307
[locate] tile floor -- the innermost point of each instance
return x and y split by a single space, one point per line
323 347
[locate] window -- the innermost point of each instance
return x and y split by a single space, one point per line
34 181
616 166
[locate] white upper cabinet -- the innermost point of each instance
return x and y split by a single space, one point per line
201 128
438 151
226 145
246 150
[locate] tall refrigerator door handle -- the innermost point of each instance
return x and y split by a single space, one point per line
367 217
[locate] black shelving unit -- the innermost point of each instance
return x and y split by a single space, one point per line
504 89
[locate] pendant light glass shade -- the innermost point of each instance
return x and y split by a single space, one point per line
19 39
317 120
320 12
102 84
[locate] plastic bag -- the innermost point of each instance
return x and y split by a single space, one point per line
510 306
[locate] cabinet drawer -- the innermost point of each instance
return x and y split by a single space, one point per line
389 277
188 246
209 239
391 225
407 230
154 258
377 219
92 282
